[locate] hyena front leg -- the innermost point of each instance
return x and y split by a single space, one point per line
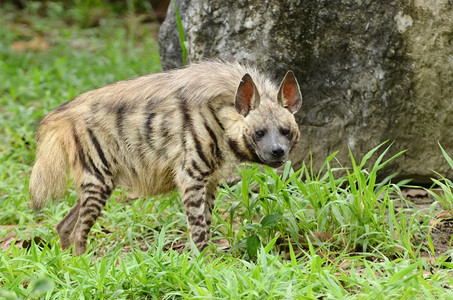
92 199
193 193
211 193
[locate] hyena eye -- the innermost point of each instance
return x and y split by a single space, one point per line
284 131
259 133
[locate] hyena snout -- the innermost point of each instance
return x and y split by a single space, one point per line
274 155
277 152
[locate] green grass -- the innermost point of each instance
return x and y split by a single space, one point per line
294 234
445 198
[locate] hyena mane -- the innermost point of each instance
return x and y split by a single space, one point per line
176 129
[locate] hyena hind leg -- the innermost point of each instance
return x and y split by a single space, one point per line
67 224
93 197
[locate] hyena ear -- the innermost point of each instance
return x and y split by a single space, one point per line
289 95
247 97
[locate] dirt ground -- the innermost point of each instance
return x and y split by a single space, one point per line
441 229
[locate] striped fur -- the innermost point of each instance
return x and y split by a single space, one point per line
176 129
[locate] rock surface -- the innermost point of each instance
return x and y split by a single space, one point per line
369 71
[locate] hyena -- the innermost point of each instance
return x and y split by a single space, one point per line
176 129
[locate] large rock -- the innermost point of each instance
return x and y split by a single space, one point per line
370 71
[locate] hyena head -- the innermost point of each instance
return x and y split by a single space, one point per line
269 125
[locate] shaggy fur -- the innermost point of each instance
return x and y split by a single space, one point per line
152 134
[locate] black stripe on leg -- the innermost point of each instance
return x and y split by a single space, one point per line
196 221
193 188
82 158
95 171
94 192
85 186
98 148
89 211
200 152
104 191
197 168
201 238
188 126
217 151
92 198
214 115
79 149
193 202
94 205
192 175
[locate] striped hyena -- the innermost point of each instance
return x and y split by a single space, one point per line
176 129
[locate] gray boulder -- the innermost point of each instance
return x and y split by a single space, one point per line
369 71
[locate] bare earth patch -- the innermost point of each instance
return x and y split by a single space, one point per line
441 230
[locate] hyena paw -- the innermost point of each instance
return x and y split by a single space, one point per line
79 248
65 243
201 241
202 247
66 240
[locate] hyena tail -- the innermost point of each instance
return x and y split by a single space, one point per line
49 175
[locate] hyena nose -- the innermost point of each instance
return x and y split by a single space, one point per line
277 152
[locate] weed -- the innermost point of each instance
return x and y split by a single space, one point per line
445 198
182 36
354 212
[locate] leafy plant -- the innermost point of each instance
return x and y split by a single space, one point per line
445 197
352 212
182 35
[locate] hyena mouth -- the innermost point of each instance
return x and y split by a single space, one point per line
275 164
272 162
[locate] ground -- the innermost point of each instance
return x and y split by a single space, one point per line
441 226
